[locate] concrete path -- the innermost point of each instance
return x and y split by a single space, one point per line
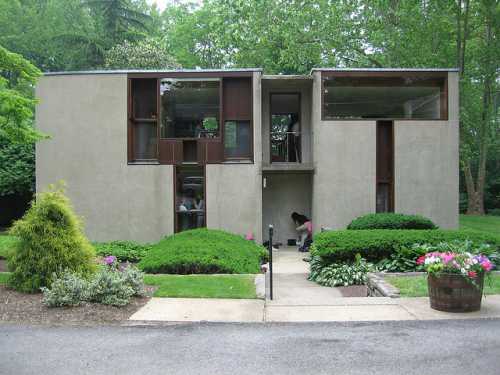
297 299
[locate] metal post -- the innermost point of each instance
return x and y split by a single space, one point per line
271 229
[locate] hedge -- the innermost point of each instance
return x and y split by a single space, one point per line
375 245
203 251
391 221
124 251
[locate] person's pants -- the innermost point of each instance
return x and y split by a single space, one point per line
303 233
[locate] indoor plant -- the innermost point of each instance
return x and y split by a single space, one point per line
455 279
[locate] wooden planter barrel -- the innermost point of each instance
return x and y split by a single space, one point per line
454 293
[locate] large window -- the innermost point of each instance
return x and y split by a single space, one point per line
189 197
419 97
237 139
190 108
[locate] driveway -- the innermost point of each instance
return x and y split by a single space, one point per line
411 347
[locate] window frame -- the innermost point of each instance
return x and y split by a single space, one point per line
203 143
444 110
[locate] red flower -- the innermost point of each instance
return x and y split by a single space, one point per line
421 260
472 274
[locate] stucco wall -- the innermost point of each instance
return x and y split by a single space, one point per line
427 165
283 194
234 198
86 117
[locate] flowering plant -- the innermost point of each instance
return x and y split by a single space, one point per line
110 260
466 264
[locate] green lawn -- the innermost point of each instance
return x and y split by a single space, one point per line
416 286
3 277
6 242
203 286
488 223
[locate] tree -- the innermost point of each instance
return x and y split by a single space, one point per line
17 79
145 54
17 167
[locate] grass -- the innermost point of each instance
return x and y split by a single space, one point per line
6 243
203 286
488 223
416 286
3 277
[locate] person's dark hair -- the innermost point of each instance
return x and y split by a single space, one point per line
298 218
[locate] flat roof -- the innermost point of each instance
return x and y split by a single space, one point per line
384 70
126 71
264 76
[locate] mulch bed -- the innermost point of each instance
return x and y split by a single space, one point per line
28 309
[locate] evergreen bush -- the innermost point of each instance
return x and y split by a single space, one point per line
50 242
391 221
203 251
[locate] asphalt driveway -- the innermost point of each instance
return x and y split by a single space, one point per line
409 347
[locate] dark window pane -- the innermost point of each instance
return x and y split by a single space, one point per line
383 196
189 108
237 138
190 197
381 97
145 140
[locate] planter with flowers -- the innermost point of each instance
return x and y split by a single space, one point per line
455 279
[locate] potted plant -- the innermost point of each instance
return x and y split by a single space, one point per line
455 279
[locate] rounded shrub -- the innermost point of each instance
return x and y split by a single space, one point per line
391 221
203 251
50 242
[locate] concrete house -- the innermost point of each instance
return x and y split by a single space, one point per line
148 153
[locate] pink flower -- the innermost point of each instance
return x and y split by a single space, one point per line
487 266
421 260
472 274
447 257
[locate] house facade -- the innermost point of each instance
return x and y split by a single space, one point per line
145 154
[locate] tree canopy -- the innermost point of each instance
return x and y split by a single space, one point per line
283 36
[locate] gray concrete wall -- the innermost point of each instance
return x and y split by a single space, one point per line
427 165
345 168
86 117
283 194
295 86
234 198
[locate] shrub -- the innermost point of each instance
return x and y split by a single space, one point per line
109 286
339 274
203 251
67 290
51 241
391 221
375 245
124 251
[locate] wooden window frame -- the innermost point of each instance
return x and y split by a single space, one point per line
203 144
388 181
325 76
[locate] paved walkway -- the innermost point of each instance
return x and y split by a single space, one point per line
298 300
